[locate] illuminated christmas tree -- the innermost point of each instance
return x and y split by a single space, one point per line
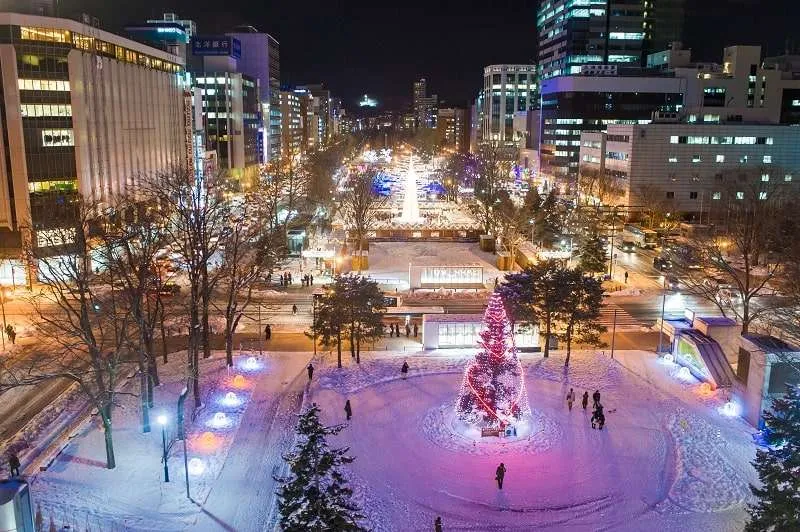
493 393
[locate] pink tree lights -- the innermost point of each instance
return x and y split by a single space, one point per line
493 392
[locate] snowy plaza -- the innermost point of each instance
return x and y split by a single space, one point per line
668 458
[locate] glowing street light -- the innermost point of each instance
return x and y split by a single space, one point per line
162 420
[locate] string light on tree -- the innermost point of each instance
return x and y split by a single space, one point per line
493 391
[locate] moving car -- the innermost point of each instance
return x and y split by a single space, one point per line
673 283
627 246
662 263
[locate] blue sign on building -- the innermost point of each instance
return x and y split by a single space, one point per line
217 45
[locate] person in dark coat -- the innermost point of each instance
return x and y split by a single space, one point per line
311 279
348 409
500 474
585 400
310 369
597 415
404 369
416 330
437 525
596 398
408 330
268 332
294 309
13 464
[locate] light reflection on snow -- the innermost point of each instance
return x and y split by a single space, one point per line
196 466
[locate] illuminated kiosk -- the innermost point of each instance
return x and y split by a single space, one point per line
468 276
450 331
765 366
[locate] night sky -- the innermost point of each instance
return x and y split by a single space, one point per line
356 47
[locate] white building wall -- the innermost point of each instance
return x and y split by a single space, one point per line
127 122
688 171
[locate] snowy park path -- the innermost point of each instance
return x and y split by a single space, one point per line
244 493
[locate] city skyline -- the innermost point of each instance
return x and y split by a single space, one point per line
323 42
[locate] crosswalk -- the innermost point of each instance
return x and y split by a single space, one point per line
623 318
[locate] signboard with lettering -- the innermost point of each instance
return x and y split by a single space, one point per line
217 45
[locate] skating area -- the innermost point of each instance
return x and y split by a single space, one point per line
668 458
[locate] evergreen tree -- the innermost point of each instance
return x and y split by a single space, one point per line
315 497
493 392
778 505
548 221
580 308
593 255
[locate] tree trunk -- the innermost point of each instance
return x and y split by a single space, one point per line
163 336
144 405
352 340
206 302
229 343
193 354
339 347
111 461
358 349
569 346
546 351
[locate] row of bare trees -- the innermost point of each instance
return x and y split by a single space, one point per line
103 284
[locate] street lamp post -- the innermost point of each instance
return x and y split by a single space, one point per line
663 304
314 318
162 420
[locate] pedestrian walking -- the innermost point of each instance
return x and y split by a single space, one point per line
294 309
290 277
397 330
13 464
12 334
310 369
391 330
404 369
311 279
348 409
500 474
626 277
408 330
496 281
570 398
268 332
598 418
585 400
283 280
437 524
595 399
416 330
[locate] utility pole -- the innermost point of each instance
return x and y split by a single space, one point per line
663 304
613 333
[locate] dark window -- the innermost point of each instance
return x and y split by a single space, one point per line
692 195
781 374
743 367
670 195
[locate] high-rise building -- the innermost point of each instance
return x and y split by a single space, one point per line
573 34
260 60
82 111
452 126
292 124
507 89
424 106
320 118
231 118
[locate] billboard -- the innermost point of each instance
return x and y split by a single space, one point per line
217 45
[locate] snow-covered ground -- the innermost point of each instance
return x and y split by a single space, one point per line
78 490
667 460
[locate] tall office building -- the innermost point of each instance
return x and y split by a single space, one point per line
260 60
292 124
574 34
231 118
452 126
425 106
82 111
319 115
507 89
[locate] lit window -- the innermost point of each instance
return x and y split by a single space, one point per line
710 118
716 195
764 177
767 159
43 85
692 118
696 159
743 159
673 139
762 195
34 110
673 159
787 177
720 158
740 195
57 137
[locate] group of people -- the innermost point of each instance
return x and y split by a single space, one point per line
394 330
12 334
598 419
285 278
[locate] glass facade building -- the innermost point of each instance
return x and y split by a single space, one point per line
507 89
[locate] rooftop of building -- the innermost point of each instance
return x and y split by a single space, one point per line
769 343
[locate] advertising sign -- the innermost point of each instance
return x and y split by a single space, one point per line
217 45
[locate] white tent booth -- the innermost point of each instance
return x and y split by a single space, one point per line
442 331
